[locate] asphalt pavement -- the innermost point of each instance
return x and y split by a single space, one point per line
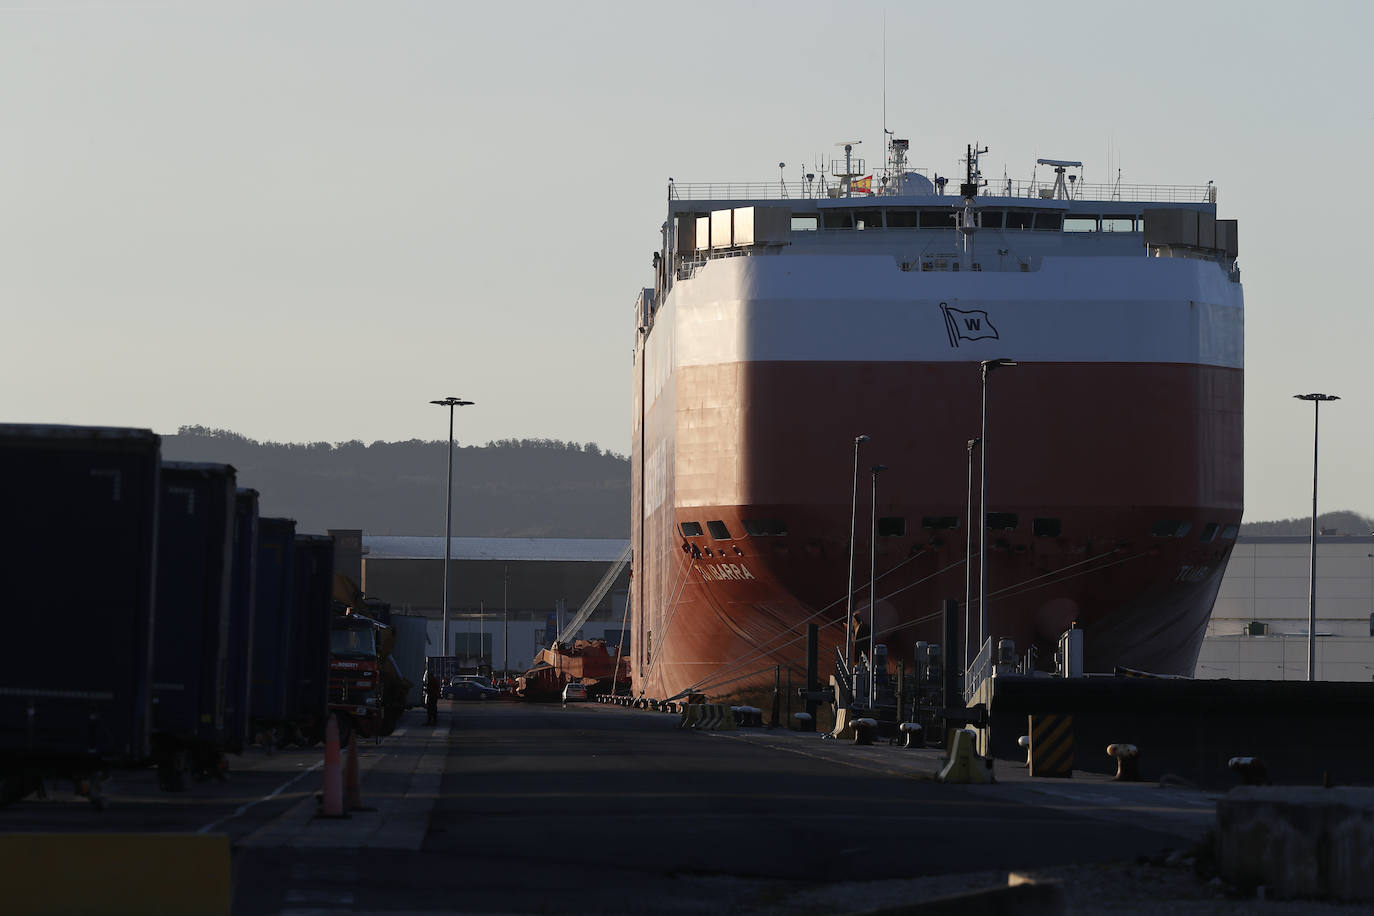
510 807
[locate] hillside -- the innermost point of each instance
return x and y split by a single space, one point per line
511 488
1347 523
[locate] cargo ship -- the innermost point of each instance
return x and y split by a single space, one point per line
799 335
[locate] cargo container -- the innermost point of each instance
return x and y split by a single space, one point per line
239 659
412 641
275 632
190 630
314 584
79 535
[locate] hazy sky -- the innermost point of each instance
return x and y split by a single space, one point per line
303 220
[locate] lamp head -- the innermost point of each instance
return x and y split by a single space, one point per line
878 469
860 439
1317 397
990 364
452 402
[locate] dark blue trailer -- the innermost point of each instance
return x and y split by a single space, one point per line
190 631
238 665
314 601
276 661
79 537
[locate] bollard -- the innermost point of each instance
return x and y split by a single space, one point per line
1127 762
803 722
865 730
353 783
1024 741
331 802
1252 770
914 734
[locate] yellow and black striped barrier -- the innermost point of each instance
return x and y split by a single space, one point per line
1051 745
115 873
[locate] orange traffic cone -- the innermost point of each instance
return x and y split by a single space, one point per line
332 801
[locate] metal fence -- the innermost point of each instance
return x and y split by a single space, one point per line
1034 190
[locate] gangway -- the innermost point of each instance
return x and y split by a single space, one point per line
570 629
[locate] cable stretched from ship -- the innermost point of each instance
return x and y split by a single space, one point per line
1018 588
678 589
771 645
762 645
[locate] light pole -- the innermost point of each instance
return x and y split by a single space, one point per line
1316 400
968 555
987 366
873 590
450 403
853 516
505 622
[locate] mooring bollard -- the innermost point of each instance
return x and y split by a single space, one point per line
913 733
803 722
1024 741
1252 770
865 730
1127 761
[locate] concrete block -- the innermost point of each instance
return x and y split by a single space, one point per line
1298 842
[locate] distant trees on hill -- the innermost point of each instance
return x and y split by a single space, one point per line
1347 522
509 488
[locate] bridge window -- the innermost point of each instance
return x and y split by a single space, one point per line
1170 528
1002 521
1051 222
1046 527
718 531
937 219
1208 533
691 529
765 527
892 527
1229 532
804 222
940 522
901 219
990 219
837 219
1019 219
868 219
1080 224
1118 224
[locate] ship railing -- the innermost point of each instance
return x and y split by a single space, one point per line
1036 189
979 671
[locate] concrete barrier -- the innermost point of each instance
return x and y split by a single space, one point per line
1298 842
116 873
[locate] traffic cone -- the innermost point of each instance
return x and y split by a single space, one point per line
331 802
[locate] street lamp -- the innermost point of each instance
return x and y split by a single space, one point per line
873 590
1316 400
450 403
853 515
968 556
988 365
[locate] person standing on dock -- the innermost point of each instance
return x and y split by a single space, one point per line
431 699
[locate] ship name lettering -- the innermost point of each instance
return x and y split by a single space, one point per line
731 571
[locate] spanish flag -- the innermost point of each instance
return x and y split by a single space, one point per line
862 185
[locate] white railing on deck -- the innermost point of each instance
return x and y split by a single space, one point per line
773 190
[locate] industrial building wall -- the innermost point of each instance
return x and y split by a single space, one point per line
1259 624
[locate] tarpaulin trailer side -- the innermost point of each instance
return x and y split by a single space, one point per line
314 571
79 543
274 625
194 553
239 658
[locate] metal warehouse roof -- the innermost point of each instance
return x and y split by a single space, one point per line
582 550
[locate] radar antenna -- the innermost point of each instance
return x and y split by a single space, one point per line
1062 191
850 164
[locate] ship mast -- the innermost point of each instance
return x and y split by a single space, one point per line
973 180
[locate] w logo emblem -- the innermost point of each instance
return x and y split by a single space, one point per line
972 324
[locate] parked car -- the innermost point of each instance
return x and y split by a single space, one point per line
469 687
574 692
